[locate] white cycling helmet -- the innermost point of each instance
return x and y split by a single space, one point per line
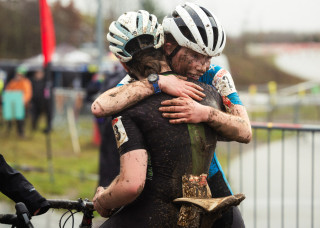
197 28
132 32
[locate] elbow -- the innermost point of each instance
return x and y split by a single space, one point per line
96 109
246 140
248 137
133 190
244 136
247 134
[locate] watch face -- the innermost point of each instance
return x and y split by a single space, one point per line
153 77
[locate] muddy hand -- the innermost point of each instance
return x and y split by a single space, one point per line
184 110
180 87
98 203
98 193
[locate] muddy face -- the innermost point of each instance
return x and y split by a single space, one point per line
190 63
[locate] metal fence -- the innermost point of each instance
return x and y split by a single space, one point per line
279 173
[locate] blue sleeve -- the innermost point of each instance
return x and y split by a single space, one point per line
208 76
234 98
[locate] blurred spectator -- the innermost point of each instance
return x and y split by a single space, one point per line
23 84
76 83
39 101
3 77
94 87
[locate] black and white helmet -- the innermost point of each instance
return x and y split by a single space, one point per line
197 28
132 32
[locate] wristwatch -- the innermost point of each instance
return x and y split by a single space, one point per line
153 79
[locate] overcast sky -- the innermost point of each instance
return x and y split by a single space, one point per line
236 15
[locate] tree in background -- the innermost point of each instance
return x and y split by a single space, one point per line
20 28
149 6
70 25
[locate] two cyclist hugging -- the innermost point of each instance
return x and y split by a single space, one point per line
155 154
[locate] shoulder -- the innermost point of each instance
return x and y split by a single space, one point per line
212 97
214 70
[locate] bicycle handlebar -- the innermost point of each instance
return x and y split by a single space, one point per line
85 206
9 219
79 205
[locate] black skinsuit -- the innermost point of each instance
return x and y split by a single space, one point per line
174 150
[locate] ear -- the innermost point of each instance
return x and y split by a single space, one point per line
168 48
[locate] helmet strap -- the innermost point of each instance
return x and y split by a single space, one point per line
173 53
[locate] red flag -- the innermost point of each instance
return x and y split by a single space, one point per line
47 31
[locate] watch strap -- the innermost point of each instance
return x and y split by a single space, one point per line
154 82
156 87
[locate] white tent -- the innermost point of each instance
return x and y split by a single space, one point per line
65 57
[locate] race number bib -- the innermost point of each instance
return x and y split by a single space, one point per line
119 131
224 83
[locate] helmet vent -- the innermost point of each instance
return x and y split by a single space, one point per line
137 22
222 41
175 14
197 20
111 34
158 39
213 25
206 12
184 29
122 26
121 54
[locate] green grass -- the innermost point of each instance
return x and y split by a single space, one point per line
74 175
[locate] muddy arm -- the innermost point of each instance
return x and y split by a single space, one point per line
234 125
119 98
126 187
